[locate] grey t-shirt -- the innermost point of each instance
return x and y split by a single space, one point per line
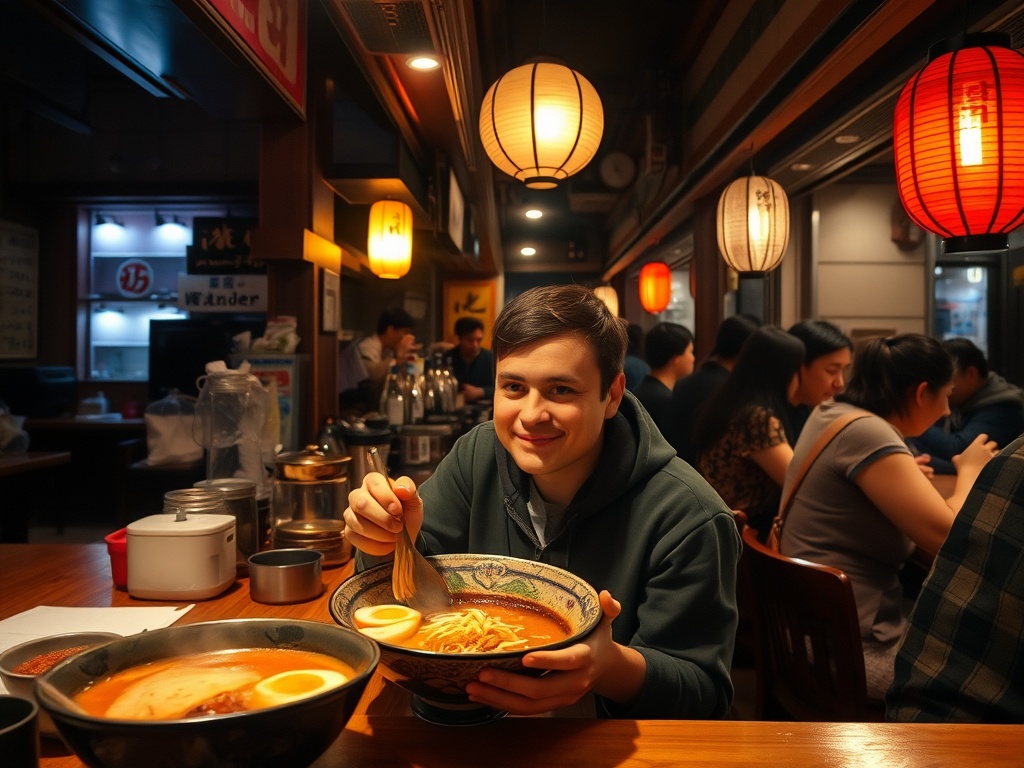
833 522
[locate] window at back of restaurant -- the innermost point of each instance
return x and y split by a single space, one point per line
135 257
680 307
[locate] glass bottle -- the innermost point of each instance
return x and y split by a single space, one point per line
430 394
414 392
392 401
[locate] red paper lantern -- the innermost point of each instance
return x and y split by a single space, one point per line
958 142
655 286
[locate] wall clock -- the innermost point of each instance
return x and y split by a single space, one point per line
617 170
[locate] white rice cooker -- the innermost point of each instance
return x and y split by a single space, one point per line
181 557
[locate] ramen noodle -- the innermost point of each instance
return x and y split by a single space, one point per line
488 627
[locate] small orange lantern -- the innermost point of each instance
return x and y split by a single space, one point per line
958 140
389 239
655 286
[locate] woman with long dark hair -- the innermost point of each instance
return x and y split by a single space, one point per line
740 437
864 503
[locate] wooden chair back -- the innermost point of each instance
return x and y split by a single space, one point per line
807 623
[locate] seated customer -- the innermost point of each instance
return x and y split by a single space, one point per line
472 365
864 504
572 471
740 437
962 656
392 341
827 354
691 393
669 350
635 367
982 402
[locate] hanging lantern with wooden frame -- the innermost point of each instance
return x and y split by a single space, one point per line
541 123
753 224
655 286
389 239
958 142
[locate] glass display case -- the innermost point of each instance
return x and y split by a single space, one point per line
135 257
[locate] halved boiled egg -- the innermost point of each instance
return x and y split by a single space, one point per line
383 615
294 685
395 632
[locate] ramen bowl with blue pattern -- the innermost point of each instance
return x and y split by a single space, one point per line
437 680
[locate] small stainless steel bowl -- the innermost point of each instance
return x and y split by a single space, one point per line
278 576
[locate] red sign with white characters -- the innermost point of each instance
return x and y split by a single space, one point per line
135 279
274 34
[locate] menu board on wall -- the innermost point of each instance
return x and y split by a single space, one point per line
19 291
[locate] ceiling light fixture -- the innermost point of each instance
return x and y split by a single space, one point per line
655 286
389 239
533 213
541 123
163 219
528 251
422 62
958 140
102 219
753 224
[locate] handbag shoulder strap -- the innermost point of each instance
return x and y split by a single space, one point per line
826 437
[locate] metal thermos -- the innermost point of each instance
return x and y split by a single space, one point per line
239 498
308 502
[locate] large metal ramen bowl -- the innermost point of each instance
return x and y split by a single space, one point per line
294 733
438 680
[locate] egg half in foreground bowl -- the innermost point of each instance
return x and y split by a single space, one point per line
293 715
437 680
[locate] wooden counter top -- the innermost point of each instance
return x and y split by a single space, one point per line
381 734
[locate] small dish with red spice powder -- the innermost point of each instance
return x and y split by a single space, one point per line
21 664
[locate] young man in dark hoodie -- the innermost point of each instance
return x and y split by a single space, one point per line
573 472
982 402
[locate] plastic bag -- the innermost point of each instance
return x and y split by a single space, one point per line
169 430
13 439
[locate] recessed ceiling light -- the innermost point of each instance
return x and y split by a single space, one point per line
422 63
533 213
800 167
847 138
528 251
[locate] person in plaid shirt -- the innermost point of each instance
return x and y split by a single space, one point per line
962 656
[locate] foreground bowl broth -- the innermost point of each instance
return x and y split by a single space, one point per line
295 733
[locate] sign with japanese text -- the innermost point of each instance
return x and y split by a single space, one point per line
273 34
19 291
222 293
134 279
221 246
469 299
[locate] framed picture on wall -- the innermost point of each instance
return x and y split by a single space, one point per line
330 302
19 291
472 298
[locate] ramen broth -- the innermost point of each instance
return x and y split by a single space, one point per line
521 625
203 684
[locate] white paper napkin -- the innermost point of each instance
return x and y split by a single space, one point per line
46 620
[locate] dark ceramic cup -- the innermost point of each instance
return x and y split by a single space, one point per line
19 732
